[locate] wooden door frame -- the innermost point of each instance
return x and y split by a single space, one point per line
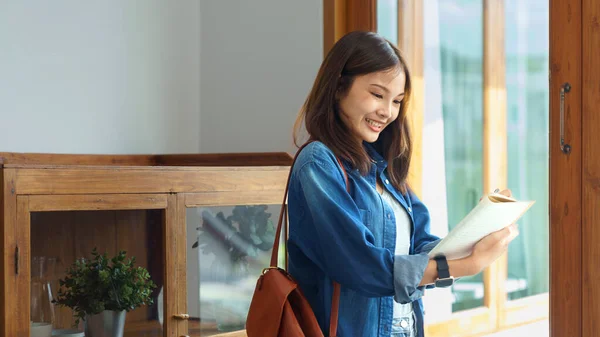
590 167
566 170
343 16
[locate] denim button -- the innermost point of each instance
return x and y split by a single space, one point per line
404 324
387 181
409 210
389 216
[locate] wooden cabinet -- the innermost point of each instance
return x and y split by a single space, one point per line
200 224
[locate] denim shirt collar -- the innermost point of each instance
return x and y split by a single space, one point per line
378 163
378 159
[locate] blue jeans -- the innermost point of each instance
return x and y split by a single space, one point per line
404 326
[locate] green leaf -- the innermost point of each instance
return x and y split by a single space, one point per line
92 286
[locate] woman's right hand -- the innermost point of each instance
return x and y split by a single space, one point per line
491 247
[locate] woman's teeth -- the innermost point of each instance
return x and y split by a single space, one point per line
373 123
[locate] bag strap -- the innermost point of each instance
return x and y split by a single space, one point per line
335 301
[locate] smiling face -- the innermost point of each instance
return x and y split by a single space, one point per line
372 103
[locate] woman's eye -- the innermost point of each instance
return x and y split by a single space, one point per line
397 102
377 95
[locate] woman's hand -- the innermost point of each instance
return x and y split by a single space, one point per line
491 247
488 249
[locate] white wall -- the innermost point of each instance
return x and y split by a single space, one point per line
154 76
109 76
258 61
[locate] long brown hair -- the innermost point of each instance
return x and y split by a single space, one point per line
357 53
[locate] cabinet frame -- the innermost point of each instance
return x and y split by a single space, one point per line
55 182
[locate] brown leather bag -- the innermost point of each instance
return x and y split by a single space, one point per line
278 307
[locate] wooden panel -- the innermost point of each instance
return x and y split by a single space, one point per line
410 41
9 322
241 333
343 16
91 230
495 172
146 180
96 202
334 23
361 15
132 235
73 159
172 327
196 329
212 159
226 159
464 323
590 252
110 231
565 171
137 329
47 229
271 197
20 292
5 238
180 232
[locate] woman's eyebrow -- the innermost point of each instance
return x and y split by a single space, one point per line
385 89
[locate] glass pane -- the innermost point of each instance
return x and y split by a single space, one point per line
58 239
453 128
527 64
387 19
228 247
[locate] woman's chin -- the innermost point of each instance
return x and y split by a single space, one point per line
371 138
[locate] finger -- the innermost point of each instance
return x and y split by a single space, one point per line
506 235
514 232
506 192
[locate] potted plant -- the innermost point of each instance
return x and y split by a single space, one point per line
101 290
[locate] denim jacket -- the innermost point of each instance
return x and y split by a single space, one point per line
350 238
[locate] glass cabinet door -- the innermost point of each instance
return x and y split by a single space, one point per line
229 242
64 230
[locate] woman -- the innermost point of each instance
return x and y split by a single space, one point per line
372 234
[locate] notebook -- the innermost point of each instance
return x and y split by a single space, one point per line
494 212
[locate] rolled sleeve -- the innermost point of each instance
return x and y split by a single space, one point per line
408 273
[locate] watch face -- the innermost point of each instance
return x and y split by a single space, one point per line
444 282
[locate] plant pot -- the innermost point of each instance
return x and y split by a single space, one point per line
105 324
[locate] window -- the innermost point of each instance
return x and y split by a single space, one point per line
480 120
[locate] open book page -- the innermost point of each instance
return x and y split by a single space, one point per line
494 212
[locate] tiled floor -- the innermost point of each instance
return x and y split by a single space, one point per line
539 329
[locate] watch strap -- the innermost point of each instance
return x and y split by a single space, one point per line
442 267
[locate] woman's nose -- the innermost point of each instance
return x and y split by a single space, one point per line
383 112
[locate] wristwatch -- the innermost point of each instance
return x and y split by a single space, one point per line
444 279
